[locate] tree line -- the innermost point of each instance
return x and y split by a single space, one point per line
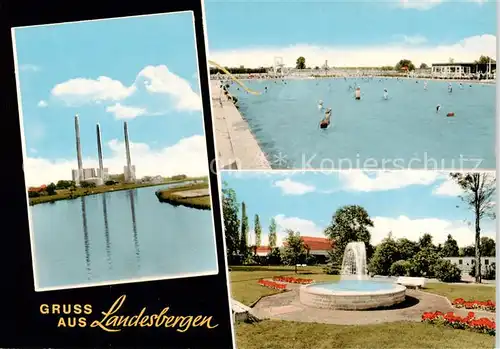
351 223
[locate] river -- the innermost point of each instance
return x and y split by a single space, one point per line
120 236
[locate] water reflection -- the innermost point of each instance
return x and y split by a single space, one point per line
131 195
106 230
86 241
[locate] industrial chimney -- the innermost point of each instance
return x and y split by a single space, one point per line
99 152
129 169
78 148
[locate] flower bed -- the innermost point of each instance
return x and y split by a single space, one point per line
469 322
487 305
272 284
292 280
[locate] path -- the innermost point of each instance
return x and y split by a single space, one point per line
286 306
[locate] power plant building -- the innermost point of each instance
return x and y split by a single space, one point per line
101 174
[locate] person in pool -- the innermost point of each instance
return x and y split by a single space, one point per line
438 107
386 94
326 120
320 104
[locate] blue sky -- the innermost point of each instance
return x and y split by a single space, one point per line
408 203
143 70
420 26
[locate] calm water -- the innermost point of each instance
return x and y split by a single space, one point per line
356 285
390 133
117 236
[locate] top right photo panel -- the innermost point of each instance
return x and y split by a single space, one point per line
353 85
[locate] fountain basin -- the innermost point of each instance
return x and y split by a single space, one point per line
352 295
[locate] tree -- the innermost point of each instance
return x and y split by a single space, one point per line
63 184
484 60
450 247
479 195
488 247
425 241
451 60
51 189
405 63
386 254
294 251
467 251
349 223
424 66
230 209
258 231
407 248
301 63
272 234
244 231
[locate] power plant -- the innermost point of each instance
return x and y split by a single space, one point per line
101 174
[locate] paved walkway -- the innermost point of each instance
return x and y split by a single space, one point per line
286 306
237 148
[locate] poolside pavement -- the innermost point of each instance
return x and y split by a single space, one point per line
237 147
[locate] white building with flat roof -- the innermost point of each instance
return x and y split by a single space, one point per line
465 264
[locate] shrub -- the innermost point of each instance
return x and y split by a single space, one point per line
422 264
274 257
384 256
400 268
446 271
490 272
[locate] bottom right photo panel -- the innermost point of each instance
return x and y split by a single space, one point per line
361 259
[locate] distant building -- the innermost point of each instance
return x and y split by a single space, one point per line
90 175
263 251
465 264
317 247
39 189
463 70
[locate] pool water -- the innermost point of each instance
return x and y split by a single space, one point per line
403 131
355 285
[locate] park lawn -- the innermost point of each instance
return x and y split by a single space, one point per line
270 334
245 289
467 292
273 334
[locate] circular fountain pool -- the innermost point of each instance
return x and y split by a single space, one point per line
352 295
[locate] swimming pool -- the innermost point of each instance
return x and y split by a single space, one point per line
402 132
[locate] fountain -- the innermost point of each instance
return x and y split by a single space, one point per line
355 290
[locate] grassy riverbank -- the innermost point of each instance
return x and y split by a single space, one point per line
194 196
68 194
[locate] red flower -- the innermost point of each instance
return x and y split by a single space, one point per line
483 325
292 280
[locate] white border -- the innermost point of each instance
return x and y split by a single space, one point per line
497 143
23 139
219 172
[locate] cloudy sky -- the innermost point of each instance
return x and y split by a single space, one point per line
143 70
350 33
406 203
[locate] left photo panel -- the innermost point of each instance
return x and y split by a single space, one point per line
115 154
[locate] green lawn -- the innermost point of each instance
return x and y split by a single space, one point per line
290 335
296 335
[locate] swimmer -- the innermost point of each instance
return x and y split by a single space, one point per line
461 86
450 88
438 107
425 85
265 89
386 94
320 104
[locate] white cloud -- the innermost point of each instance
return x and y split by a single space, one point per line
82 90
154 79
414 228
158 79
411 39
467 50
289 187
29 67
125 112
355 180
448 188
304 226
42 104
418 4
188 156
